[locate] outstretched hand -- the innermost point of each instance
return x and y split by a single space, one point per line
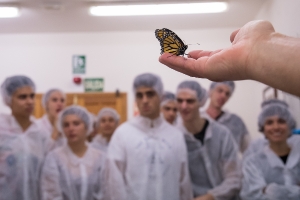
237 62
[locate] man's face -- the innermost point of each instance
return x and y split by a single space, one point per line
148 102
220 95
169 111
187 104
22 102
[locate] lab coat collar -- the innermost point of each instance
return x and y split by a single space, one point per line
14 126
100 139
190 135
275 161
146 123
87 158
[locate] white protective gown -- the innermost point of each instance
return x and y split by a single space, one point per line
100 142
21 158
68 177
216 161
259 144
148 161
48 129
265 171
237 128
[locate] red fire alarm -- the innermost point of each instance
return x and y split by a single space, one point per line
77 80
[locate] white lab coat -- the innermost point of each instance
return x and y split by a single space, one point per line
48 130
237 128
21 158
219 156
68 177
148 161
266 171
100 142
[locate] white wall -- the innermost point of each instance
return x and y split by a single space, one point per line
118 57
284 15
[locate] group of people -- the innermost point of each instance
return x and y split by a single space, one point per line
170 151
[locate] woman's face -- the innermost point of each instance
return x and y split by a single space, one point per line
74 129
55 104
276 129
107 125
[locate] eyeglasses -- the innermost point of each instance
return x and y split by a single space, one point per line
188 101
148 94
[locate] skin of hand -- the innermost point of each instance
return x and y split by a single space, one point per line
257 53
205 197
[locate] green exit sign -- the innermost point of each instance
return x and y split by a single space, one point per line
93 84
79 64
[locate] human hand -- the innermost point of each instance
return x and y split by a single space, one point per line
238 62
205 197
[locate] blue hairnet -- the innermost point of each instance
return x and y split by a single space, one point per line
11 84
195 86
81 113
275 107
230 84
167 96
108 112
149 80
47 95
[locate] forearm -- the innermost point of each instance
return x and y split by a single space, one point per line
276 62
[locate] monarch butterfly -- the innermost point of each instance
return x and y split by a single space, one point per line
170 42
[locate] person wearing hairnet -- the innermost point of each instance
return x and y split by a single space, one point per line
214 165
107 122
22 142
168 107
274 172
53 101
147 155
219 94
75 170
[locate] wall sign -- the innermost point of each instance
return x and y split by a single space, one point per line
79 64
93 84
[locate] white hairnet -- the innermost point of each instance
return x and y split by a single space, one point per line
47 95
230 84
275 107
11 84
194 86
108 112
167 97
80 112
149 80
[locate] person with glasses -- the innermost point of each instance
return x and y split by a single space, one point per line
147 156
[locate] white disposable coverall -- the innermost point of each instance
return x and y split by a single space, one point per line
265 171
237 128
219 156
21 158
65 176
148 161
100 142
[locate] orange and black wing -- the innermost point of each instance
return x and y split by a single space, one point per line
171 43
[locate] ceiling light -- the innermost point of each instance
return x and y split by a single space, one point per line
7 12
159 9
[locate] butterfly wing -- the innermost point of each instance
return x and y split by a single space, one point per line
170 42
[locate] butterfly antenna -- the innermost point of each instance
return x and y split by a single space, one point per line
194 44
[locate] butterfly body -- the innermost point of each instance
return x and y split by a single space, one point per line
170 42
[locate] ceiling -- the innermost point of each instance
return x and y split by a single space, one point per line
39 16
